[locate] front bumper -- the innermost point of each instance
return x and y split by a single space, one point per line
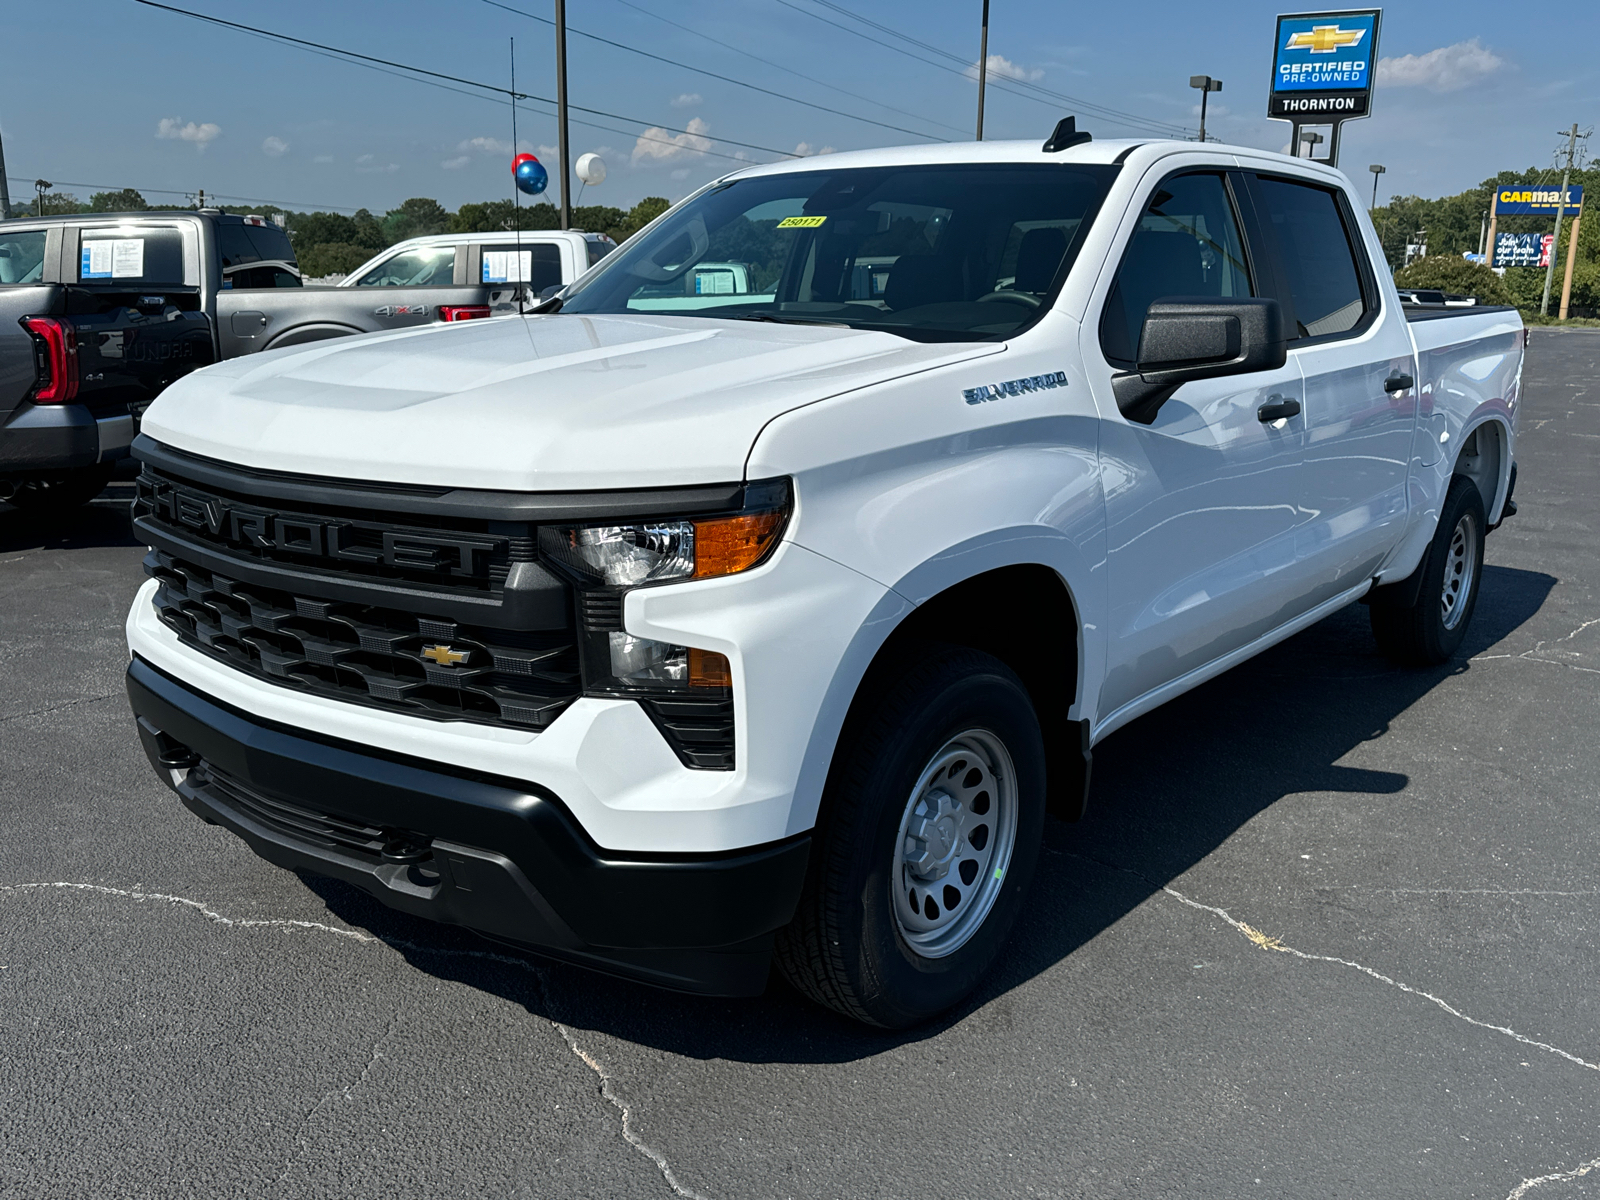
499 857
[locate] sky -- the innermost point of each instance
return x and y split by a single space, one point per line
118 94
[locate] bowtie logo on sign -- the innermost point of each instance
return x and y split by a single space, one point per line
1325 39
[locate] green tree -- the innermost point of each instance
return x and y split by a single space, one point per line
1452 273
417 217
57 204
640 215
331 258
124 200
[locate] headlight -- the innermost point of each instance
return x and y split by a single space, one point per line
645 552
607 560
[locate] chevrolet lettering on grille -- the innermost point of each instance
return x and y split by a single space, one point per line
264 529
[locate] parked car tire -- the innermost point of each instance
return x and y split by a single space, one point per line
1428 631
62 490
929 835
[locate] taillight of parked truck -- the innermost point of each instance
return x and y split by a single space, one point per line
462 312
58 381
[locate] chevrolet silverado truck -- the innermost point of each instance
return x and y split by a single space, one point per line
679 639
99 312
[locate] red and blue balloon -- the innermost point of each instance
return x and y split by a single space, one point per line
530 174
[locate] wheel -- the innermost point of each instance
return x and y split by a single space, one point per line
1430 630
63 490
930 831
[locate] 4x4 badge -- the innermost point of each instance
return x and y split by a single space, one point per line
445 656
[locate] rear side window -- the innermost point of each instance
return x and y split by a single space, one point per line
598 250
139 255
241 244
427 265
21 257
1187 244
540 265
1316 256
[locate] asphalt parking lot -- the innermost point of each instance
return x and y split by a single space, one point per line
1329 930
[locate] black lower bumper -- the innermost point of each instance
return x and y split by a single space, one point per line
62 437
499 857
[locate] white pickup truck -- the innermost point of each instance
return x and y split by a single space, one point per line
676 638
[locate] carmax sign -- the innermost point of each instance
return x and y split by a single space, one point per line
1539 201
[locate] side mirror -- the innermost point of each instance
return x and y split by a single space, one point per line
1188 338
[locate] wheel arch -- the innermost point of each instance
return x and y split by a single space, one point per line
1485 458
1029 577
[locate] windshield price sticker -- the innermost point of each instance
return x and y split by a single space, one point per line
112 258
801 222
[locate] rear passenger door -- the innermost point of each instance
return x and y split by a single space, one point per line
1346 344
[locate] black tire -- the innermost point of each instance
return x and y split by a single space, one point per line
1430 630
846 947
63 490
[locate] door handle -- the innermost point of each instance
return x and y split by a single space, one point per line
1277 408
1397 383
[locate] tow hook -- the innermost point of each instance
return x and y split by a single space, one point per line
401 846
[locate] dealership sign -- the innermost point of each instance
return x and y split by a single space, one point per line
1523 249
1323 66
1539 201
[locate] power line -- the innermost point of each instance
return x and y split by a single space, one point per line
366 59
838 112
283 204
1113 116
1023 83
788 70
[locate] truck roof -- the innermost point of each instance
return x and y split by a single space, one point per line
162 213
1112 150
500 235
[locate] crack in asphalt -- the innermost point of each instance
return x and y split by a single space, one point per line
607 1089
52 708
1533 655
1527 1185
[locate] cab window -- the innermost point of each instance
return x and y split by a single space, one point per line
425 265
1187 245
1315 256
21 256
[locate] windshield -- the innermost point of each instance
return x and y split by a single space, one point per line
936 253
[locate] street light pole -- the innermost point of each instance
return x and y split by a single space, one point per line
983 65
40 187
561 112
1376 169
1561 211
1311 138
1206 85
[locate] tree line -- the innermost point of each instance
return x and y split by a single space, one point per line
1455 225
328 243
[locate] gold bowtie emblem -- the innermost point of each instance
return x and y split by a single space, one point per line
1325 39
444 655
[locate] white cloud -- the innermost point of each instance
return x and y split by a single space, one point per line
806 150
367 164
323 158
1447 69
274 147
685 100
455 164
485 145
200 135
1004 68
656 145
681 173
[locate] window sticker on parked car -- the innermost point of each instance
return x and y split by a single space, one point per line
801 222
113 258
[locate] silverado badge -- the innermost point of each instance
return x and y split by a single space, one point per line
445 656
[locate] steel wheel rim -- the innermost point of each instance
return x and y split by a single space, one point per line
1460 566
954 844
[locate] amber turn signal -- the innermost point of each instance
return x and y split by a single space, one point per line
727 545
708 669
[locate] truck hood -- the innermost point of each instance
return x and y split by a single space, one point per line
545 403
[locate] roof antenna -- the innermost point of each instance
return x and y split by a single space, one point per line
1066 136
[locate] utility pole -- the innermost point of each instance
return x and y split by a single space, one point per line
1376 169
1207 85
561 112
1561 211
5 192
983 65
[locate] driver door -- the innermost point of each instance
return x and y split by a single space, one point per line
1202 503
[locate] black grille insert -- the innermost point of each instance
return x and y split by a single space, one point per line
366 655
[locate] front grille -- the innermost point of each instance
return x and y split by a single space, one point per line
362 654
352 838
463 555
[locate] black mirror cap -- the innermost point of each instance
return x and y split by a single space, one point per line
1199 337
1066 135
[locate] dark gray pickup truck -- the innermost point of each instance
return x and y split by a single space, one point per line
99 312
